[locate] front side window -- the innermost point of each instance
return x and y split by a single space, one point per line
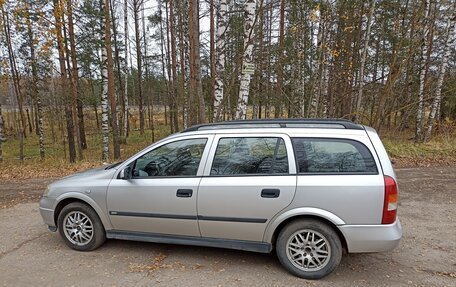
249 155
333 156
179 158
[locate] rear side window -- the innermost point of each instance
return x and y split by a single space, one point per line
250 155
315 155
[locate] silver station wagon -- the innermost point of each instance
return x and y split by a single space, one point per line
306 188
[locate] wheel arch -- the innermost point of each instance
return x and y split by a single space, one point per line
78 197
311 213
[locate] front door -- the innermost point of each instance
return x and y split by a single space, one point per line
161 195
248 180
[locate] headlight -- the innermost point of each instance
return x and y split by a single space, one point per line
46 192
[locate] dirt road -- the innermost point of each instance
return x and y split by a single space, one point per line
426 256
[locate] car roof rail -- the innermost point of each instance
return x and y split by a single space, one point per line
278 123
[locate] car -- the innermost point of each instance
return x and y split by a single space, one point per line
308 189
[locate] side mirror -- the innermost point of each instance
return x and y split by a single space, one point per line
125 173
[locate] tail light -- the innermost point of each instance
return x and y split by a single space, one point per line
390 204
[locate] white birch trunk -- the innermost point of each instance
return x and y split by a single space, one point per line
1 133
363 60
423 68
449 39
222 25
40 125
186 70
317 74
241 111
104 104
126 107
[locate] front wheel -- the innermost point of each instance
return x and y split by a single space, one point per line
309 248
80 227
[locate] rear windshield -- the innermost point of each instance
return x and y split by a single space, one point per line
333 156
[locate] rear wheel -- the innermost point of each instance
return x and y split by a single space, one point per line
309 248
80 227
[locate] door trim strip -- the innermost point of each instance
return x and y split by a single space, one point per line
153 215
188 217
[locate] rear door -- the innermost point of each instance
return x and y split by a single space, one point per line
247 180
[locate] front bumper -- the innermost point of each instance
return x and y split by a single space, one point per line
47 212
372 238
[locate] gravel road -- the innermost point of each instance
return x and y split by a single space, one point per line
426 256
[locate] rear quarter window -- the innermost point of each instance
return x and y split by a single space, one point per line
333 156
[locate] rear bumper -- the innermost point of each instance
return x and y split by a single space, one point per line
372 238
47 212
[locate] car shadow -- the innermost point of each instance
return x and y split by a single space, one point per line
359 266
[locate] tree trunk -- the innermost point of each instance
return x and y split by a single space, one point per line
36 95
247 61
195 61
104 93
127 71
278 91
111 82
168 71
423 70
79 106
449 39
15 76
363 61
2 135
162 58
58 12
212 48
222 25
183 47
172 29
120 96
137 4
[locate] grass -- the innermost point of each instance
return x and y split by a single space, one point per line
441 150
56 162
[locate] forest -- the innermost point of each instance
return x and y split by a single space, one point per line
91 81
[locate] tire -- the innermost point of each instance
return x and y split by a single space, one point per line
306 256
80 227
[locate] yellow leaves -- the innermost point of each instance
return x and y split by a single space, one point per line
293 28
157 263
315 14
334 53
54 168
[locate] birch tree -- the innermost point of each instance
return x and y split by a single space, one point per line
449 42
247 60
222 26
111 82
2 137
174 93
423 70
104 93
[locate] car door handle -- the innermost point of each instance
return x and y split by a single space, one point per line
270 193
184 193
